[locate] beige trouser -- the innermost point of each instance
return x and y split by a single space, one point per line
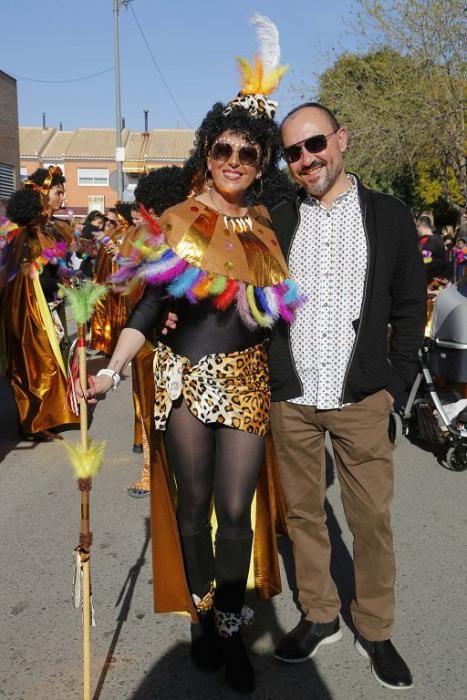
363 457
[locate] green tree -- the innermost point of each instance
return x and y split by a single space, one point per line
404 97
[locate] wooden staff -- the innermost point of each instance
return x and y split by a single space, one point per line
85 537
86 458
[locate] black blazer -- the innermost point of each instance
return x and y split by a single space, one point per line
395 293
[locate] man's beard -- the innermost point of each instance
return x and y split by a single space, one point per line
323 185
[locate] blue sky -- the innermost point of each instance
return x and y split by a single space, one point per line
194 44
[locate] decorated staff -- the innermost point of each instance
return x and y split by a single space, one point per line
86 458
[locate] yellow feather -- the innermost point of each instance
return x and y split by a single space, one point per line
246 71
272 79
255 81
88 463
258 75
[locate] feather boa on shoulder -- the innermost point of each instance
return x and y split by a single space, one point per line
154 262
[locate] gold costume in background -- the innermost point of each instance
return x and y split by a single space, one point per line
35 366
110 314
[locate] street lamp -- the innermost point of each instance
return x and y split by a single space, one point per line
119 150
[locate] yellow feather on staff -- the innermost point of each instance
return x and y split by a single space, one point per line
86 463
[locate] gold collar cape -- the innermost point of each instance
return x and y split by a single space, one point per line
203 237
196 253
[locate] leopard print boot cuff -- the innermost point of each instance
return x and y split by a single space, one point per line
228 623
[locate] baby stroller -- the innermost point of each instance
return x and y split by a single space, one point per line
439 418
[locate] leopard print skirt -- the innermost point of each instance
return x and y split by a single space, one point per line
227 388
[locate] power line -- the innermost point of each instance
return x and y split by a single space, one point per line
70 80
158 69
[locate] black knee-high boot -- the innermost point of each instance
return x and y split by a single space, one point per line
232 565
199 566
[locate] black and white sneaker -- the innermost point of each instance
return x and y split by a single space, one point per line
305 639
387 665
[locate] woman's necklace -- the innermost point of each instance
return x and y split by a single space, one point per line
236 224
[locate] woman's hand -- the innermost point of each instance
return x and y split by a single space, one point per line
97 388
170 323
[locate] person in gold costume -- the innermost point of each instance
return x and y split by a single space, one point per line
110 314
215 261
34 262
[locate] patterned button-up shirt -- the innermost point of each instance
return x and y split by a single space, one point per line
328 260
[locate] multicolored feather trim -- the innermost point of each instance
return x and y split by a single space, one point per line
155 263
8 232
57 255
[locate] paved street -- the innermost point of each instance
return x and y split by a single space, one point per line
137 655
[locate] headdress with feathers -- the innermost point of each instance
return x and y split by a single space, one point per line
261 77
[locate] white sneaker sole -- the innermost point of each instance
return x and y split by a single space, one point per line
332 639
363 652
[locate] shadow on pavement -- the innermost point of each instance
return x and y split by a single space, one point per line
10 438
124 599
174 677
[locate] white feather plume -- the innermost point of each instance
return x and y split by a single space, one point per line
268 41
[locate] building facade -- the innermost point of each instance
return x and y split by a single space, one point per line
9 141
87 158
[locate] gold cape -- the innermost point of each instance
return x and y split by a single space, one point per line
35 371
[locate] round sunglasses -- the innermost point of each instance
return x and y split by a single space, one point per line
314 144
247 155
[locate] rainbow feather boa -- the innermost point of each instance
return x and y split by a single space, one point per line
154 262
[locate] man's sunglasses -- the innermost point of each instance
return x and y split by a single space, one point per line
314 144
247 155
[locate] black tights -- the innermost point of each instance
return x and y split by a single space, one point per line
212 460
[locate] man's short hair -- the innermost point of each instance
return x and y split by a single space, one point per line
424 221
316 105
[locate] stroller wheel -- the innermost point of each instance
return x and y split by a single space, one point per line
456 458
396 428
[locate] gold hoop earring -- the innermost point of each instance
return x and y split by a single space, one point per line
208 180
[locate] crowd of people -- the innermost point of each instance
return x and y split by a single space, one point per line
230 296
444 248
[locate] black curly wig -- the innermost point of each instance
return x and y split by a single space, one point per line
123 209
162 188
40 174
259 130
25 205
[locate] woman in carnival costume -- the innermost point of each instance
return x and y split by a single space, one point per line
216 262
34 260
110 314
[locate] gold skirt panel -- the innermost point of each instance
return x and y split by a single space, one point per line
143 388
227 388
38 383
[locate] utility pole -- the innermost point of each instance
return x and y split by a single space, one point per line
119 150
